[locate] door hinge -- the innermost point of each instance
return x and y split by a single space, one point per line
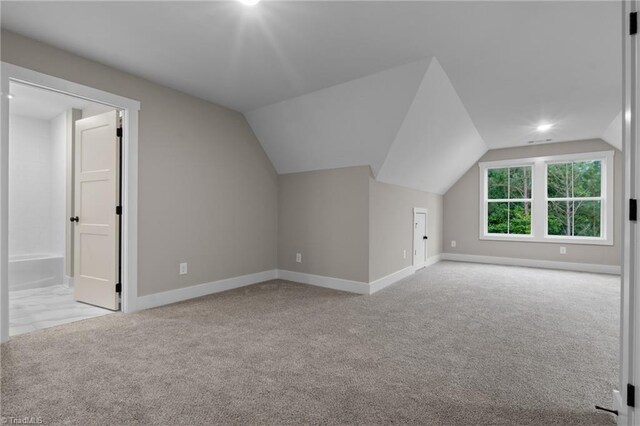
633 209
631 395
118 210
633 23
118 288
119 132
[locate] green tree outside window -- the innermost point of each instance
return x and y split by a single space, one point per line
509 200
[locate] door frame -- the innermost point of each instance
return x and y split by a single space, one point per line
630 294
129 241
417 211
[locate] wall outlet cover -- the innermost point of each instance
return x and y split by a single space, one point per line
183 268
299 257
563 250
453 243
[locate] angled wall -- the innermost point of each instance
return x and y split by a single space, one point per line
350 124
437 141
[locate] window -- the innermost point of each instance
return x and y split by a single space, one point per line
509 200
574 198
566 198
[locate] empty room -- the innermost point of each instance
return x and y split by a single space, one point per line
319 212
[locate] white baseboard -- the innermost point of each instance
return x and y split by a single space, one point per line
622 408
181 294
358 287
68 281
393 278
545 264
430 261
178 295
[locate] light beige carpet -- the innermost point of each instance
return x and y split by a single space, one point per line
454 344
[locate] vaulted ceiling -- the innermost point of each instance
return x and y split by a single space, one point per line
332 84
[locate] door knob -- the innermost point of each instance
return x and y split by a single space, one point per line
425 238
74 219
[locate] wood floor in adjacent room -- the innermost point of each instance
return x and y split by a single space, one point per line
457 343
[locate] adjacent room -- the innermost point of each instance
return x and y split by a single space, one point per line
42 212
318 212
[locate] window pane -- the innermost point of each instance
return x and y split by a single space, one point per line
586 219
586 178
559 217
520 218
520 182
574 218
497 180
559 180
498 218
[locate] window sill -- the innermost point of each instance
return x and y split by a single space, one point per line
552 240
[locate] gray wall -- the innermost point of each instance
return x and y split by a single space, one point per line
324 215
391 229
348 225
207 191
461 210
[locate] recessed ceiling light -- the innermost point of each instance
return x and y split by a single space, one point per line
249 2
544 127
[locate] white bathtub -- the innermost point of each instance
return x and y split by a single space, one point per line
32 271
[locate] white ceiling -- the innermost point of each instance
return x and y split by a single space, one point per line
510 64
33 102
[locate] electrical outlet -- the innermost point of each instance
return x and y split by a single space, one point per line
299 257
404 254
183 269
563 250
453 243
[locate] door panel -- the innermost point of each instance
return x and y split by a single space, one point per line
419 243
96 198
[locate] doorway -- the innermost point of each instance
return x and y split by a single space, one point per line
63 164
115 111
420 237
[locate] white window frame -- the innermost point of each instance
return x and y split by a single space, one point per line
539 198
485 193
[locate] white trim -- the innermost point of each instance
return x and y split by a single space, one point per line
431 261
379 284
350 286
12 73
186 293
533 263
539 198
393 278
620 407
630 294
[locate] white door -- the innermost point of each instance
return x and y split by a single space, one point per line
419 238
96 221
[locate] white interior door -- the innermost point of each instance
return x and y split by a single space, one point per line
419 238
96 221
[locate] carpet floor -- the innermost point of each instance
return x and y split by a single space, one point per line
456 343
